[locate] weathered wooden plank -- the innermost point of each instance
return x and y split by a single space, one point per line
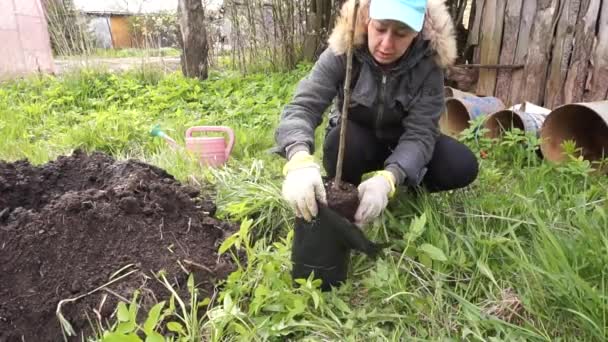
583 37
521 51
507 52
598 89
562 51
473 38
539 50
491 37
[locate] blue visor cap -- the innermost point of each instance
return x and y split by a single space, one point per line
409 12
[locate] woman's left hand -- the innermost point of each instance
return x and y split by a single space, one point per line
373 197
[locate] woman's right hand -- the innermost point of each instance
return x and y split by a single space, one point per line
303 185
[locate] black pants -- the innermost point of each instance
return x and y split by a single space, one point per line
452 165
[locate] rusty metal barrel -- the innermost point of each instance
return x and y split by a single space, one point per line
526 117
460 111
584 123
455 93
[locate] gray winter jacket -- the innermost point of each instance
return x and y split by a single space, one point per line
401 105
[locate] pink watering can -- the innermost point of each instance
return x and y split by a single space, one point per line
211 151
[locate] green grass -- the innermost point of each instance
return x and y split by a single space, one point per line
522 254
130 52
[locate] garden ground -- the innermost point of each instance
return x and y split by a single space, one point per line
521 254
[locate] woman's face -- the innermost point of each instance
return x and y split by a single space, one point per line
388 40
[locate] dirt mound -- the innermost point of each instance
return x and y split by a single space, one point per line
66 227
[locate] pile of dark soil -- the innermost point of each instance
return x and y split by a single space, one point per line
66 227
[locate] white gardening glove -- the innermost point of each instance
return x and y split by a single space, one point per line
373 196
303 185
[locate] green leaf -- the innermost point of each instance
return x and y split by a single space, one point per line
244 229
496 241
153 317
315 299
466 332
278 307
298 308
485 270
176 327
133 307
410 251
155 337
433 252
239 329
261 291
600 212
229 242
122 312
417 227
117 337
171 308
227 302
426 260
341 305
126 327
204 302
191 283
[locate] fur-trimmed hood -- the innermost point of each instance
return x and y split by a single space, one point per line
438 29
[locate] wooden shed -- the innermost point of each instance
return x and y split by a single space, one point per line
121 36
112 29
109 19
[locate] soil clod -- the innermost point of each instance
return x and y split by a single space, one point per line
344 200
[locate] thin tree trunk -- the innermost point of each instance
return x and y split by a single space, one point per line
237 46
276 34
290 50
268 41
277 31
319 22
346 103
195 50
253 48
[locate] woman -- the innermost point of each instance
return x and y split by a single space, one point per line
401 48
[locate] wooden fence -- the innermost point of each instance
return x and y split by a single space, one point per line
548 52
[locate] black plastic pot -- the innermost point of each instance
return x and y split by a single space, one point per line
323 247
